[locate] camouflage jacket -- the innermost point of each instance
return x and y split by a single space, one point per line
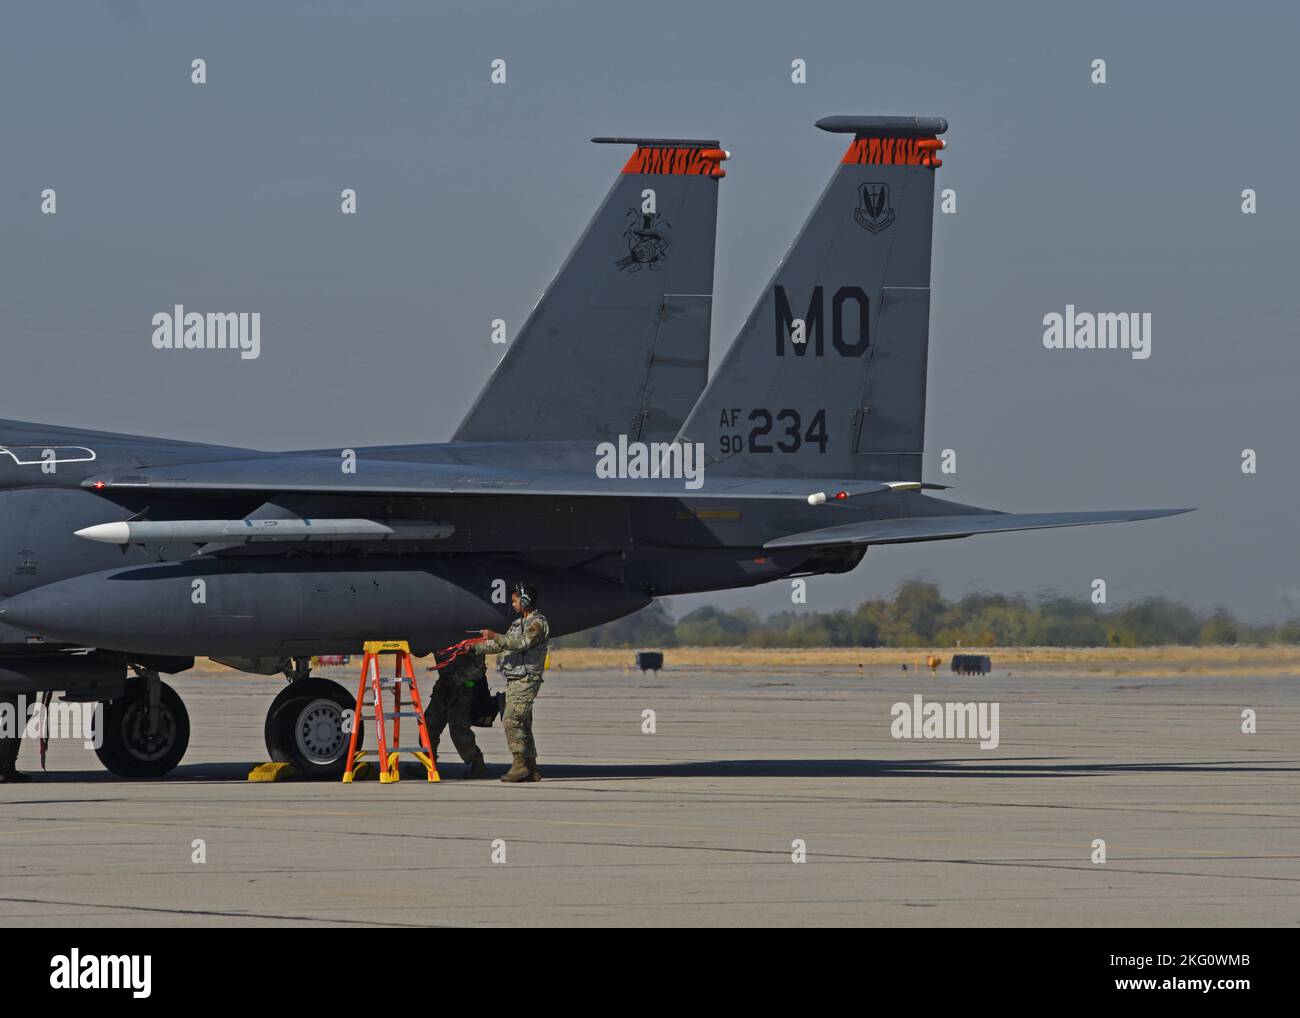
522 648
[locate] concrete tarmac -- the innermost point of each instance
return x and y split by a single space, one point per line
698 823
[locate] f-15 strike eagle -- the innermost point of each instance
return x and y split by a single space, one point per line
592 465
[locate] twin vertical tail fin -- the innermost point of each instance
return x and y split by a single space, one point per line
827 376
619 342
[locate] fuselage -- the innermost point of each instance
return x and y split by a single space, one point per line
597 558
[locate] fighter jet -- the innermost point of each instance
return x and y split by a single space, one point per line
578 470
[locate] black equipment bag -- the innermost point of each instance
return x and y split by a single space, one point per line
485 707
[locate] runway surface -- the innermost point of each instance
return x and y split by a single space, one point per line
697 823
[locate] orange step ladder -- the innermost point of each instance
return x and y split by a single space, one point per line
405 676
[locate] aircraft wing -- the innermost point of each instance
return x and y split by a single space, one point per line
324 475
930 528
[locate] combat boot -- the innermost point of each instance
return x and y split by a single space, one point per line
477 768
518 770
533 773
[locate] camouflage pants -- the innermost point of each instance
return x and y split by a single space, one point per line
449 705
518 717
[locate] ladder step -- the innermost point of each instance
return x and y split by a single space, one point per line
372 699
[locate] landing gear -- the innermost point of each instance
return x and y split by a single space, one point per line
145 731
304 726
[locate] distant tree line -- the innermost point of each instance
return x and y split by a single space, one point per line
917 615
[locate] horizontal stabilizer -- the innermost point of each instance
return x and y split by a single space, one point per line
931 528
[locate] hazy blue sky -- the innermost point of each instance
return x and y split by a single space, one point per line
1115 197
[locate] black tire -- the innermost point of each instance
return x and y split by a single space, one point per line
304 727
127 748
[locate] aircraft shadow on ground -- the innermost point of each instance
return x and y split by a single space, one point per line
1020 767
1030 767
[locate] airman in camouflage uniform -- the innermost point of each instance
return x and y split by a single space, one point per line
449 704
523 658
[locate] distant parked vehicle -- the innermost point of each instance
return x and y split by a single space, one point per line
971 664
649 660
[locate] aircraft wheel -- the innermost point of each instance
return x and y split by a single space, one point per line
128 748
304 726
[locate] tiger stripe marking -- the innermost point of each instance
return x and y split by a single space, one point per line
891 152
701 162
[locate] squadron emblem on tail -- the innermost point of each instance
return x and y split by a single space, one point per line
648 237
874 212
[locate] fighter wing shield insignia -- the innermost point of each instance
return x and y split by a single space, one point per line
874 212
648 237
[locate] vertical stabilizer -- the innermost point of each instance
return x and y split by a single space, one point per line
827 376
619 342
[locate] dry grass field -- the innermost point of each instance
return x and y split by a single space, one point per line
1156 661
1281 660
